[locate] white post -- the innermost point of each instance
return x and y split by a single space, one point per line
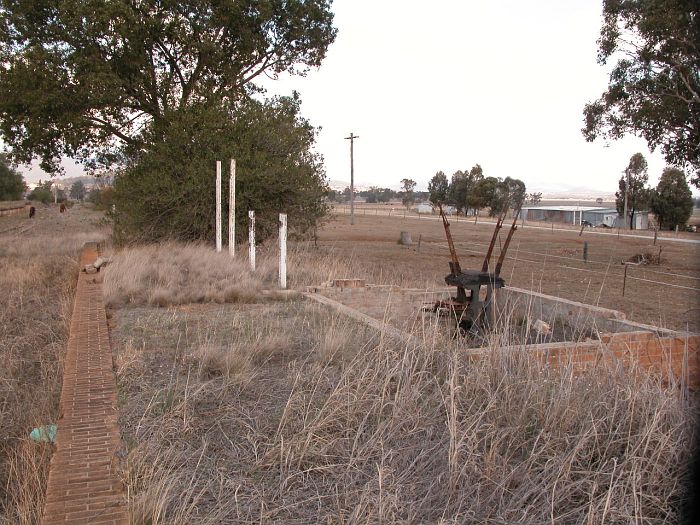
218 205
283 250
232 210
251 239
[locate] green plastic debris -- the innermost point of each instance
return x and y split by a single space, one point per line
45 434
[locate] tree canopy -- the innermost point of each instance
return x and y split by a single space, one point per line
438 188
654 87
408 186
42 192
463 186
504 194
11 182
169 191
638 194
101 81
77 190
672 201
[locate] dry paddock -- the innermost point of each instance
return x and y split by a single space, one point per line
551 262
252 408
238 407
285 412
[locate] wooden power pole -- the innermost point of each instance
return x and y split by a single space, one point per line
627 189
352 138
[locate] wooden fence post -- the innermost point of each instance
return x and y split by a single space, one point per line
251 239
283 251
232 210
218 205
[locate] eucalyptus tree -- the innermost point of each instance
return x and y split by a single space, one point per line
654 86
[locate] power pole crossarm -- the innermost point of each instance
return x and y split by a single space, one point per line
352 138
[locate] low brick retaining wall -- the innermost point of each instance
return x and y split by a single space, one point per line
672 358
17 210
83 485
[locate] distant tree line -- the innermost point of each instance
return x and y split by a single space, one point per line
470 190
467 191
375 194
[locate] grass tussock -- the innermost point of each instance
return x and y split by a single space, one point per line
338 425
236 362
38 272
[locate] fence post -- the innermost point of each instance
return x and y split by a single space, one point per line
624 280
218 205
232 210
251 239
585 251
283 251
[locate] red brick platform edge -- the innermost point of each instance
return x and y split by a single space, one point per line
83 485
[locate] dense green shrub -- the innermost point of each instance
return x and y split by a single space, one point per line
11 182
168 191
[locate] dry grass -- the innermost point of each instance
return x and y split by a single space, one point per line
175 273
38 272
336 425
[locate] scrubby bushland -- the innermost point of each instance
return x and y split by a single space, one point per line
42 193
168 191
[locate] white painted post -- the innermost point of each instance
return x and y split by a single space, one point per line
283 250
218 205
232 210
251 239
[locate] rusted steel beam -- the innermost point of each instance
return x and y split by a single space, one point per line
455 268
453 253
504 250
489 252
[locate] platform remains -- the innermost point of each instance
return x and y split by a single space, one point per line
83 484
586 335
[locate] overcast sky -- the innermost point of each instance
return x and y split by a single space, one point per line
445 84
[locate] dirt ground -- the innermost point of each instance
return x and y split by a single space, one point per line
546 261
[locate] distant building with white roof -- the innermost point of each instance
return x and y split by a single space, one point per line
596 215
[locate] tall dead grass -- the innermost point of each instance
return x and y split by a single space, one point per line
38 272
175 273
392 433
